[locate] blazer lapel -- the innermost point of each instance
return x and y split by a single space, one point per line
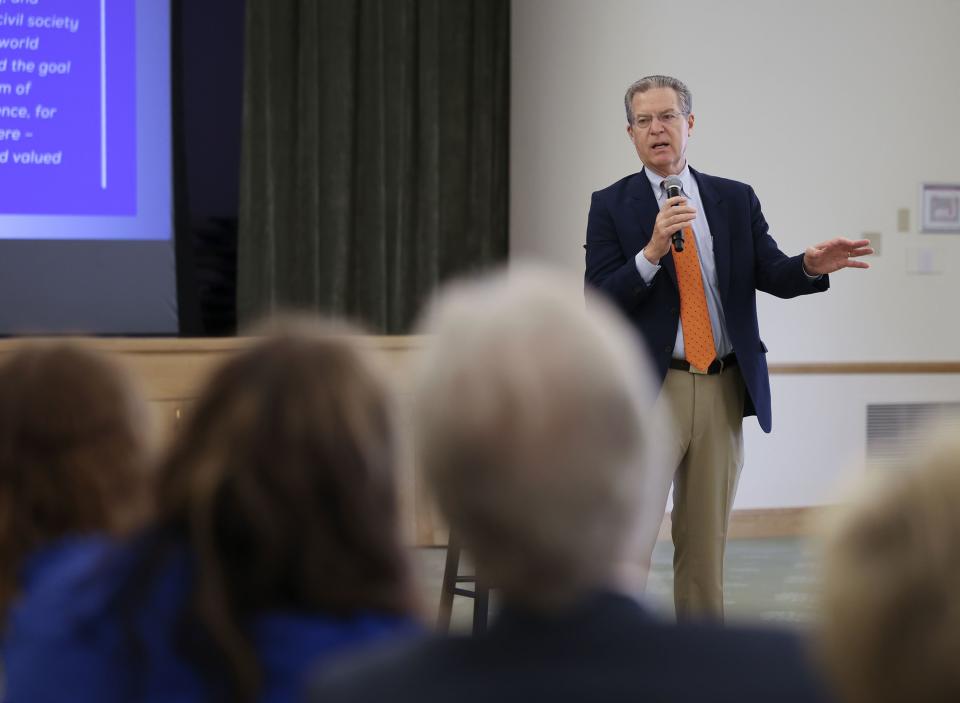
716 212
647 210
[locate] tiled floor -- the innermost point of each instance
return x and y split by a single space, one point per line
767 580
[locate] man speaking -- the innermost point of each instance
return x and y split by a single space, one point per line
683 260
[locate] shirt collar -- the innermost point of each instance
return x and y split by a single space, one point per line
686 178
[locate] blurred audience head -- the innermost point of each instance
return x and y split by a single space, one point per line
532 423
891 594
282 481
74 449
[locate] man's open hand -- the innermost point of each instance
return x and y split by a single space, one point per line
836 254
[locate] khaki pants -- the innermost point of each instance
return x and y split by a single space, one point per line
706 447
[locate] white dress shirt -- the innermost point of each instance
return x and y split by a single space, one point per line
708 267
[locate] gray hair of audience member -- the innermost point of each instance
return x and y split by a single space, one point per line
531 424
891 592
684 96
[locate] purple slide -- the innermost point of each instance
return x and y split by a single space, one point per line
68 142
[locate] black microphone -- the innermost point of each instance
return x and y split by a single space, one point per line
674 188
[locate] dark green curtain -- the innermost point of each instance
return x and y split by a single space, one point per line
375 148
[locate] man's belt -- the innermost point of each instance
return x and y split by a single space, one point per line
717 366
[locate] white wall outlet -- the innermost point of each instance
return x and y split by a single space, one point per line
924 261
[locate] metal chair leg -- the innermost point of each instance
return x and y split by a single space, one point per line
480 593
447 590
481 604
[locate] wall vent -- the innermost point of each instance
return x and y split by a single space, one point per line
896 431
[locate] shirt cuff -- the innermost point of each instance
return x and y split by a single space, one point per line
646 269
809 277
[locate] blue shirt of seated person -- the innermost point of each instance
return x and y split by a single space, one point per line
93 625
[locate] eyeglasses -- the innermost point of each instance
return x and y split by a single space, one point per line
668 119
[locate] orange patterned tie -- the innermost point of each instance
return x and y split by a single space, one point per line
694 317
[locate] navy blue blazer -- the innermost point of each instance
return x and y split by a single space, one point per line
621 222
605 649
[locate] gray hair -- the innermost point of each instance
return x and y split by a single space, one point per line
532 424
644 84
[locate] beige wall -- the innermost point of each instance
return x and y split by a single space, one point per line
835 112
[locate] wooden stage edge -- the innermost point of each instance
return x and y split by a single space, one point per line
172 370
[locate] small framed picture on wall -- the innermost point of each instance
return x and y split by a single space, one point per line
940 208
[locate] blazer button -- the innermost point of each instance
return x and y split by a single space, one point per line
667 350
674 311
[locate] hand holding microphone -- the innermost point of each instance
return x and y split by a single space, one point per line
674 187
674 217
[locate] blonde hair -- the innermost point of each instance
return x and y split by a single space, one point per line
531 422
891 597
